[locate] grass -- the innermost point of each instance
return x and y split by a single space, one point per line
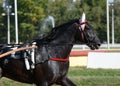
82 76
94 77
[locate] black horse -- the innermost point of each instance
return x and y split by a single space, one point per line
51 56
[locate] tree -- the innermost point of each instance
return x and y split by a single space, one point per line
29 18
117 20
3 27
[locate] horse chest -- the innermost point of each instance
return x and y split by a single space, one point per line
56 70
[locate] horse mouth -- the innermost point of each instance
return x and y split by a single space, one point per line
94 46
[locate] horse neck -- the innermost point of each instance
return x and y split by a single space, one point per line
64 42
65 37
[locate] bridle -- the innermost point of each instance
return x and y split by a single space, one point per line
83 33
82 30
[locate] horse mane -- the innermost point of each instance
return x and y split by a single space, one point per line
53 33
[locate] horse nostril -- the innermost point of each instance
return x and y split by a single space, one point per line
99 44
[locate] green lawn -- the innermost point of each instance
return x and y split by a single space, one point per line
82 76
94 77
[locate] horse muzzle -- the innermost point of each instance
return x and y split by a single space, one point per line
94 46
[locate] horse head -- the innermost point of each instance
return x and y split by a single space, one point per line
86 33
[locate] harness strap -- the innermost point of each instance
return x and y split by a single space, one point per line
59 59
83 22
82 30
33 55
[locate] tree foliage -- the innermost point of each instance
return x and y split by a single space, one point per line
117 21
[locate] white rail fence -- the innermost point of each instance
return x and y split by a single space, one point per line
103 46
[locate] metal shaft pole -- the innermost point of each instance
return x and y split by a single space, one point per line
8 27
112 25
16 21
108 38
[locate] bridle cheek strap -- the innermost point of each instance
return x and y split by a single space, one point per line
82 36
82 29
82 33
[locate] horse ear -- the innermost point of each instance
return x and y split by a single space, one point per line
83 21
83 17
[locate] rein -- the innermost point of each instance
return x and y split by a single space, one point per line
16 50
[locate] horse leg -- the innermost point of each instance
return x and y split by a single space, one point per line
0 72
67 82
